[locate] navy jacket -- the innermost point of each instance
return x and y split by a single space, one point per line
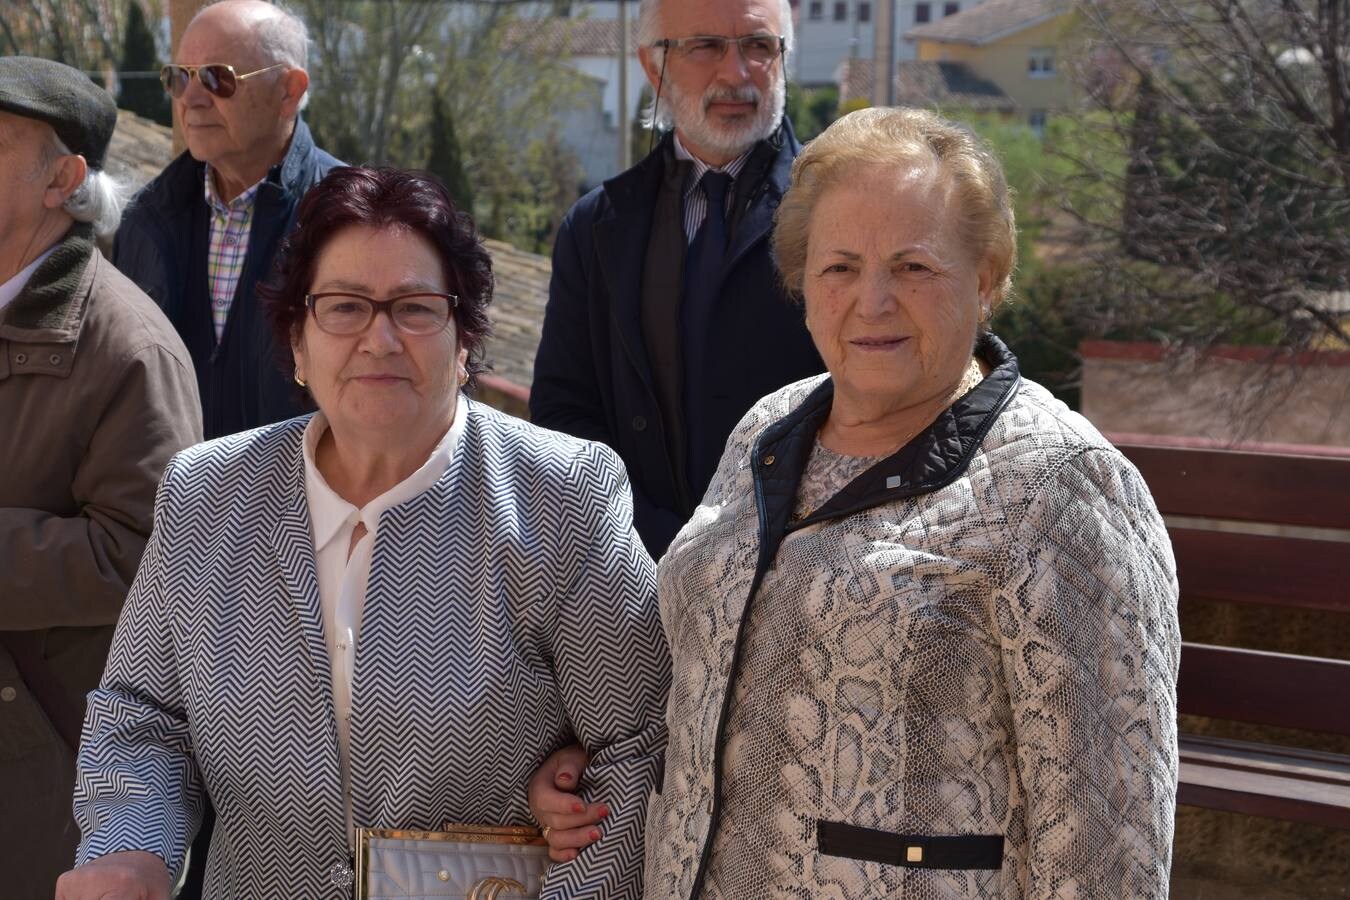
161 245
592 377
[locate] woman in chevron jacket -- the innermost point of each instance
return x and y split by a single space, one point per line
923 623
384 615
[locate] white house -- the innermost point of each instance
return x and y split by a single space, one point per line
832 31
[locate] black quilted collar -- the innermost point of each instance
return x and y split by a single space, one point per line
933 459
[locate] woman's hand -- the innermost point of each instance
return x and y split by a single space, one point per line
569 824
128 875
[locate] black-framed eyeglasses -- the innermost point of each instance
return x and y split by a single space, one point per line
218 78
757 49
342 313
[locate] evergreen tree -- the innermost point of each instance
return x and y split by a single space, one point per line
446 159
142 95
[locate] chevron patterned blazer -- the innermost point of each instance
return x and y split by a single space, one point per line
510 610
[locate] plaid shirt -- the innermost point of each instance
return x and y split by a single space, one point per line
230 226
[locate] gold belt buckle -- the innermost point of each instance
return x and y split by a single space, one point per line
490 888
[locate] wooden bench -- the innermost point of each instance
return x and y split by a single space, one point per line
1299 571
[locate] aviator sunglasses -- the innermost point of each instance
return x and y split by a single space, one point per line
218 78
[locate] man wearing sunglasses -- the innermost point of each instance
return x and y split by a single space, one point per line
201 236
666 319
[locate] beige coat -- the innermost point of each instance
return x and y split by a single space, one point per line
96 393
953 679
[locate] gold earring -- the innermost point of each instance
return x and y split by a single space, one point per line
463 378
298 380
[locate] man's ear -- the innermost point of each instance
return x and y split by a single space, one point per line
651 65
67 174
294 82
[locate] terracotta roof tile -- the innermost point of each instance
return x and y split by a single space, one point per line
517 311
139 149
989 22
927 84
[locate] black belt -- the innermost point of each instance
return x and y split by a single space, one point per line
915 851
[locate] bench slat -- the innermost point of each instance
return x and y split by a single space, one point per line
1280 689
1270 759
1254 487
1270 796
1255 568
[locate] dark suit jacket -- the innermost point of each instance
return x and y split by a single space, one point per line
161 245
592 376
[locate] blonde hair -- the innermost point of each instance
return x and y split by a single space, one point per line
901 138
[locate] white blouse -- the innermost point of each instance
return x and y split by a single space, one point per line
343 578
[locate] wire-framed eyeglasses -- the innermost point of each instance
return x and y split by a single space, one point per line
757 49
218 78
342 313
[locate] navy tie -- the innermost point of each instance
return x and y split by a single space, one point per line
702 270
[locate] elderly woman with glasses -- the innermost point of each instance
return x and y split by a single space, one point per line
923 623
384 615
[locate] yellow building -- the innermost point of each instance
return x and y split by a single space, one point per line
1011 44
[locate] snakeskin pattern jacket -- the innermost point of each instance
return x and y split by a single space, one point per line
954 678
511 609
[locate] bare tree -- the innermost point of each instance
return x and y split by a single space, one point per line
1217 181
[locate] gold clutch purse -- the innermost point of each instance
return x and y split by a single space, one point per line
465 862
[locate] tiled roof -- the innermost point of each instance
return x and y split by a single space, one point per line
141 148
926 84
990 21
573 37
517 311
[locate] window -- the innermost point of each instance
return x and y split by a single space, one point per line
1036 121
864 11
816 11
923 12
1041 62
841 11
950 9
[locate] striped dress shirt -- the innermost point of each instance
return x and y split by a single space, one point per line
695 201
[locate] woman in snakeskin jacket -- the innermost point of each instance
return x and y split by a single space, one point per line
923 623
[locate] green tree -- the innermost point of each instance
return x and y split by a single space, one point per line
140 93
85 34
811 110
376 64
446 159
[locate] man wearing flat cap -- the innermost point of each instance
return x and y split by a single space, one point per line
96 393
200 237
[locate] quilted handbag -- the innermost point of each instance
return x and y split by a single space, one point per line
466 862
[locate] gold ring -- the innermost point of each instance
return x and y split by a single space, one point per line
543 832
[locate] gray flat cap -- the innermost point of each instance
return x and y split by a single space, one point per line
81 113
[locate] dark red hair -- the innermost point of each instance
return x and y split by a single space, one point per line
381 198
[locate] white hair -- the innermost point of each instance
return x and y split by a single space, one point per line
285 39
649 28
99 198
650 31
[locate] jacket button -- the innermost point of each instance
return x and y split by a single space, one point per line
54 359
8 694
21 358
770 459
639 423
